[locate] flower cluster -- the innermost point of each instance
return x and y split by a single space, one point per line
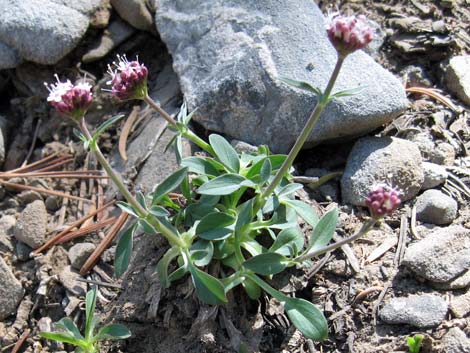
128 79
382 200
348 33
69 99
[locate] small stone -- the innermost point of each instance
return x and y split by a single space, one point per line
11 291
28 196
79 253
32 225
23 251
378 160
460 282
455 341
441 256
422 311
434 175
443 154
7 229
435 207
52 203
68 277
241 146
135 12
457 77
460 305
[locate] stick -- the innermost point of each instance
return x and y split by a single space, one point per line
85 230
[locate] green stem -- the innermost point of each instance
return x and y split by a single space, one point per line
323 101
266 287
184 132
364 229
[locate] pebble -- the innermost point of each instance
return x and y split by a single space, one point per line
435 207
7 229
434 175
52 203
79 253
422 311
68 277
11 291
457 77
460 305
241 146
23 251
443 154
28 196
455 341
378 160
460 282
441 256
136 13
32 224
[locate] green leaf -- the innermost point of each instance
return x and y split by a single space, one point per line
324 230
201 252
245 214
265 171
303 210
159 211
127 208
276 161
63 337
307 318
252 289
103 127
196 211
123 252
253 247
146 227
348 92
267 264
66 324
169 184
201 165
162 266
302 85
414 343
186 189
215 226
224 185
112 332
209 289
225 152
289 189
289 238
90 304
141 199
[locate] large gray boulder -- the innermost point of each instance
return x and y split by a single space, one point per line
229 55
42 31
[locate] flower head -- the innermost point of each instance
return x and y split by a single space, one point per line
128 79
69 99
348 33
382 200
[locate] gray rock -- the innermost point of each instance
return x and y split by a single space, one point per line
52 203
435 207
441 256
41 31
4 127
457 77
229 56
460 305
9 57
136 13
23 251
434 175
68 277
377 160
32 224
241 146
455 341
443 154
421 311
7 228
460 282
11 291
86 7
79 253
28 196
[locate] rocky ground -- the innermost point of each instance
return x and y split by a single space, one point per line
410 275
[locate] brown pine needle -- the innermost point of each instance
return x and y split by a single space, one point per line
41 161
43 191
108 239
86 230
433 94
126 129
77 223
20 341
53 175
55 165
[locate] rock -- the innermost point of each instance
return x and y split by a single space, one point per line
3 137
455 341
9 57
460 305
52 203
441 256
434 175
443 154
457 77
32 224
79 253
86 7
7 228
68 277
27 196
241 146
422 311
425 143
435 207
23 251
136 13
229 57
11 291
376 160
462 281
41 31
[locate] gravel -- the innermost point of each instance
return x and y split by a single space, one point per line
32 224
435 207
79 253
434 175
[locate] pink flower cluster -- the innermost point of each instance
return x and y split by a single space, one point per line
128 79
382 200
69 99
348 33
